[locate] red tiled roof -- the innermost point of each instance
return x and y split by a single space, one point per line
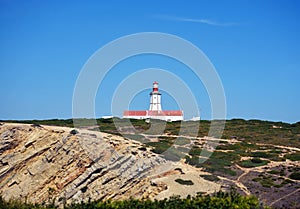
135 113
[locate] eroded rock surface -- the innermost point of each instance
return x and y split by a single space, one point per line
45 163
42 163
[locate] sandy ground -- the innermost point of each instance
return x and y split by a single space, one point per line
188 173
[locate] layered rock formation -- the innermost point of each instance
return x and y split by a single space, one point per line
43 163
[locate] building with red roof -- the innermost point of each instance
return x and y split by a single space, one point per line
155 110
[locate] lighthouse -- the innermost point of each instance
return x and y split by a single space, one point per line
155 110
155 98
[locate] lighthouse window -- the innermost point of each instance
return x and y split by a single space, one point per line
154 97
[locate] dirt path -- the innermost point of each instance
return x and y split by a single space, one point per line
280 146
238 184
285 196
245 170
272 164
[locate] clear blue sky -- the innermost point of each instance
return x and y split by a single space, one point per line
254 46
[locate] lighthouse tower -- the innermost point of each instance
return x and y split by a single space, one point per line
155 98
155 111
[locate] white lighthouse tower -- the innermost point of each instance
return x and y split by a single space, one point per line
155 98
155 111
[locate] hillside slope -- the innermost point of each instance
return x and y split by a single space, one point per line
45 163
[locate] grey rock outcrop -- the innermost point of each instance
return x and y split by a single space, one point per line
43 163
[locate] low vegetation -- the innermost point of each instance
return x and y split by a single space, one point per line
269 181
254 162
293 156
184 182
218 200
218 162
257 131
210 177
295 175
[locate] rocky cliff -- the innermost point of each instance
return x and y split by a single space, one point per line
45 163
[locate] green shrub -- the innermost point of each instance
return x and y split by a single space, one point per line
217 200
267 182
295 175
184 182
173 154
256 160
74 132
217 161
210 177
195 151
260 154
160 146
253 163
274 172
293 156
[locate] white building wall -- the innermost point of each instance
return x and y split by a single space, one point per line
166 118
139 117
